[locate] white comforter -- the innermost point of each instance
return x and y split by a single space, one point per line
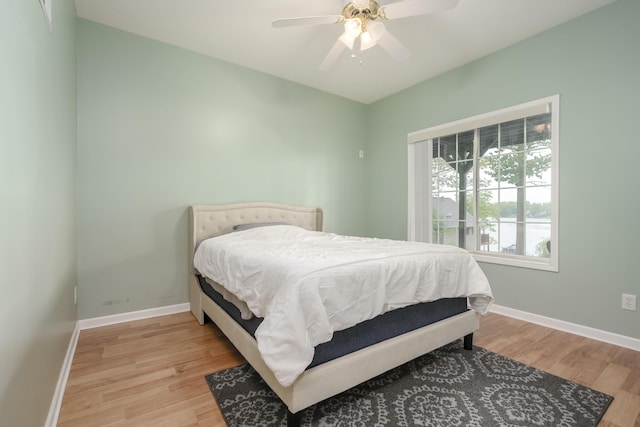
308 284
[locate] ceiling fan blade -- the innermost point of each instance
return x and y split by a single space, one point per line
393 46
403 9
333 55
307 20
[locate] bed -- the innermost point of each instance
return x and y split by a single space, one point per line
333 369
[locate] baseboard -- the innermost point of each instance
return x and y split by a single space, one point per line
113 319
58 394
573 328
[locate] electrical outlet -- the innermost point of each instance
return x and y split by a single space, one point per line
629 302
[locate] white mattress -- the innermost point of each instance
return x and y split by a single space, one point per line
308 284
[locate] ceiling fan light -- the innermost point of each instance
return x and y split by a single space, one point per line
347 39
352 27
375 29
366 41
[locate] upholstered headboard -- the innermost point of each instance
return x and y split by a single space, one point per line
206 221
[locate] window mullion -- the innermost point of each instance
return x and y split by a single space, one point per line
476 191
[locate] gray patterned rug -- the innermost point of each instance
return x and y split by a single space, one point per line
447 387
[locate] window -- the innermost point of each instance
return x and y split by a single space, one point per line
489 184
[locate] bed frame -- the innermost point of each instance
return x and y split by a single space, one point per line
330 378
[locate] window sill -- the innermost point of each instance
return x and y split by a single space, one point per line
545 264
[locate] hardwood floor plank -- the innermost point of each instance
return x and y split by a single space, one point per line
151 372
632 384
612 378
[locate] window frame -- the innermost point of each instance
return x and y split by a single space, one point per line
419 178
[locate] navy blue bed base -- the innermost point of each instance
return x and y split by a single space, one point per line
367 333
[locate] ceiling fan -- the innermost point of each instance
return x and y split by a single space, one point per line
363 19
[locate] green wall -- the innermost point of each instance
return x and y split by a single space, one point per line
161 128
37 199
593 63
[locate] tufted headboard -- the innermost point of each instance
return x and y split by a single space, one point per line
206 221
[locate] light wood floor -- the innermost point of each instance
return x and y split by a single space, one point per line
151 372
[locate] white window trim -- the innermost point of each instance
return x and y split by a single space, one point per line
505 114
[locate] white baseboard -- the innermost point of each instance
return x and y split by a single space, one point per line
573 328
58 394
96 322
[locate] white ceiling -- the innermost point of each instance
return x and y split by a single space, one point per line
240 32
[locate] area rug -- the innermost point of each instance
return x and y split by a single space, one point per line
447 387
